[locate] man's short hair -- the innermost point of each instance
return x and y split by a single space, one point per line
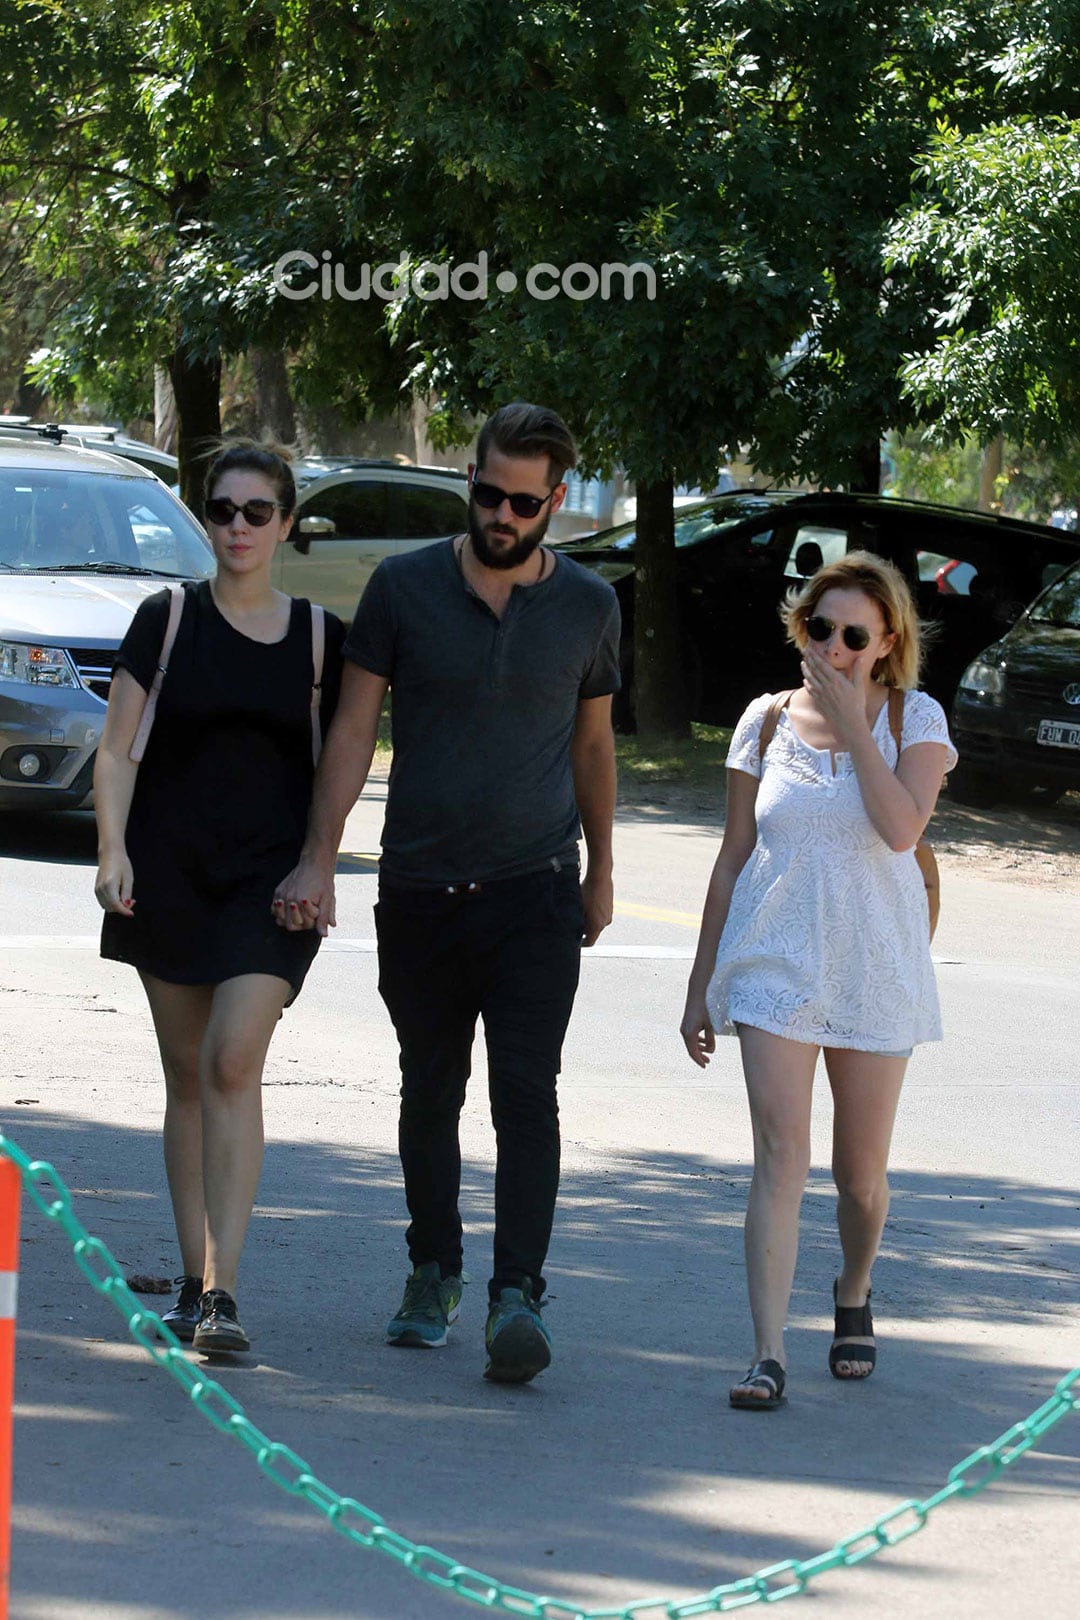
529 430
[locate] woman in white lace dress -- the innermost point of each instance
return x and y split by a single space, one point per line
815 935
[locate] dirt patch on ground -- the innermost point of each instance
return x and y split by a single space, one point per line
1039 846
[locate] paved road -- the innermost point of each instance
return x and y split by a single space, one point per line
621 1472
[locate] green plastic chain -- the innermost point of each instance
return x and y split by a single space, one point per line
361 1525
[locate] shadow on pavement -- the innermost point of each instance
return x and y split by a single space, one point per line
1053 829
621 1472
63 838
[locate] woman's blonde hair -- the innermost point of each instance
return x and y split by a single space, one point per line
884 583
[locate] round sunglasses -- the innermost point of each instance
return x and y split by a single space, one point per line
490 496
856 636
258 512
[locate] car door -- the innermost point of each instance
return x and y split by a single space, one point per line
338 536
972 581
343 530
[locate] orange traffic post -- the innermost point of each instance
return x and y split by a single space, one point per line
9 1285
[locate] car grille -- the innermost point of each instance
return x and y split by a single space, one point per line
95 667
1043 690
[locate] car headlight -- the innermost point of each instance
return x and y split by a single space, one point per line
36 666
985 679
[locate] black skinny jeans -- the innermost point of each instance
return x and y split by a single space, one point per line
510 953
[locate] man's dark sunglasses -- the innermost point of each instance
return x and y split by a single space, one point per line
856 636
490 496
220 510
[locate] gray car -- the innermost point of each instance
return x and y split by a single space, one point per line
352 514
84 538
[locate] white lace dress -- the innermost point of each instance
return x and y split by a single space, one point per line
827 936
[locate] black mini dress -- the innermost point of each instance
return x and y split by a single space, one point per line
221 799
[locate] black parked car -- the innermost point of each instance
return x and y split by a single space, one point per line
1016 718
737 554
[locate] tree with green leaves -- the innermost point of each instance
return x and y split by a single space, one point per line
753 154
995 225
164 152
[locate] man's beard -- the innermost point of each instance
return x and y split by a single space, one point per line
510 555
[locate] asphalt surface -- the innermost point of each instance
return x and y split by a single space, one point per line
621 1473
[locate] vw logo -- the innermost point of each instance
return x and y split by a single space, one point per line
1071 693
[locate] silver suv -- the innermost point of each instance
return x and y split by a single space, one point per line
352 514
84 538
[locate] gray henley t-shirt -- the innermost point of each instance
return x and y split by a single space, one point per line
483 710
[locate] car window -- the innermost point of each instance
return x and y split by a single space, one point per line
812 547
418 512
51 519
358 511
928 563
1061 603
689 531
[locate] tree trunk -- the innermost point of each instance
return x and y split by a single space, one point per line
993 457
866 469
273 400
658 678
164 411
29 398
197 389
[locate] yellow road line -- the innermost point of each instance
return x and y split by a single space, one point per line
683 919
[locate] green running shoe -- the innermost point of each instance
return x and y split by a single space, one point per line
518 1343
430 1304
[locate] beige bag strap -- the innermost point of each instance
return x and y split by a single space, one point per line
925 858
318 652
772 715
146 719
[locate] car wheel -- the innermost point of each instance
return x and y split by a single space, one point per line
976 788
1036 796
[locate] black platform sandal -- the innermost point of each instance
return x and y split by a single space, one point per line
765 1375
851 1322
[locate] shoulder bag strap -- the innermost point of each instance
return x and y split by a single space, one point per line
318 650
896 717
925 858
146 719
772 715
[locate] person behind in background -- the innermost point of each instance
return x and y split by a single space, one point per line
815 936
191 843
502 657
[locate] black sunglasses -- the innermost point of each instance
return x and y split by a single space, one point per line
490 496
220 510
856 636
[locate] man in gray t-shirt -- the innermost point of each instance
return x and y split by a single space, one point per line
502 658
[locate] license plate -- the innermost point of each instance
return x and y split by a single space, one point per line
1058 734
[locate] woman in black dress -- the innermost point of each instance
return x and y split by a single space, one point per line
192 842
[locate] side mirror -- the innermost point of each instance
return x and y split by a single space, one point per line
309 528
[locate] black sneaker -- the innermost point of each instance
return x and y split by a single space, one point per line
183 1317
219 1327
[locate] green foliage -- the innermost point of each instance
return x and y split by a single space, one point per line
1001 228
1034 482
997 227
163 153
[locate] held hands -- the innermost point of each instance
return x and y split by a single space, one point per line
697 1032
840 697
305 899
112 887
